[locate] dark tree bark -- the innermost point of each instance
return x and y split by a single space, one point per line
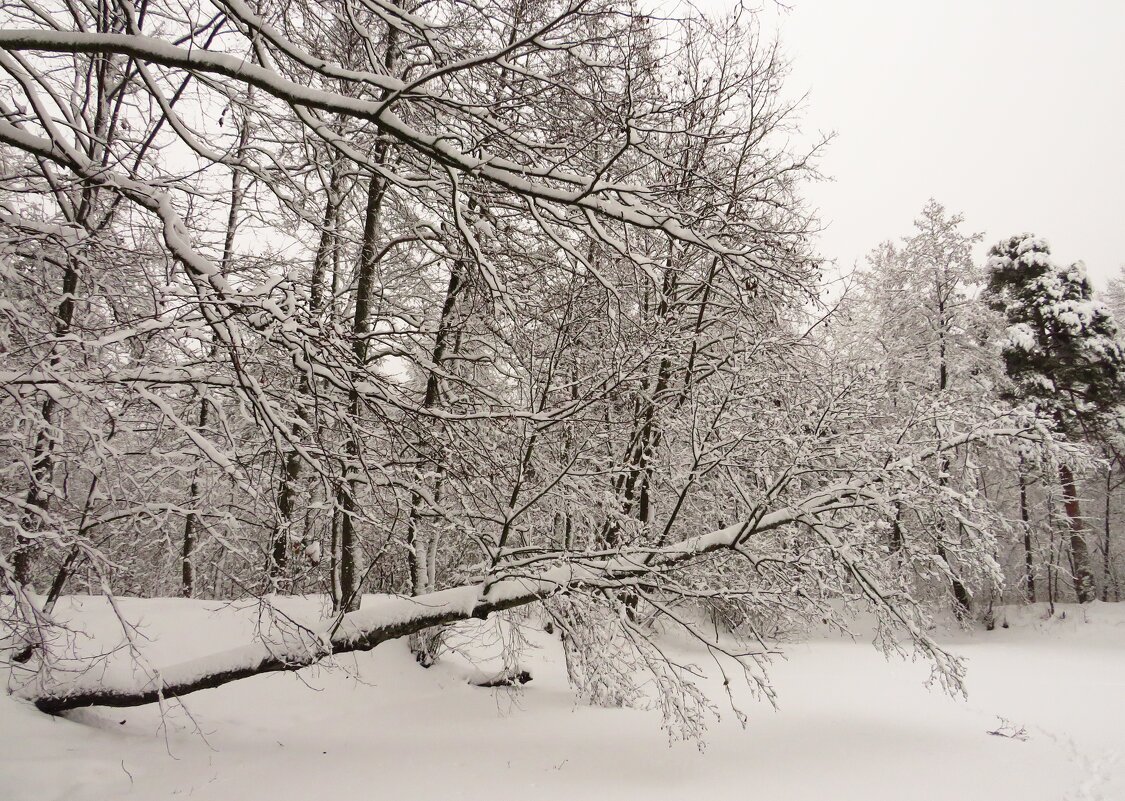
897 538
962 599
291 472
1084 588
351 549
1107 561
419 568
187 569
1025 518
38 499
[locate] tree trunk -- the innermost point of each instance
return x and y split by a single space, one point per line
897 538
1025 518
962 600
335 560
237 193
351 551
43 456
1084 588
1106 542
416 548
38 496
291 472
632 487
81 212
422 556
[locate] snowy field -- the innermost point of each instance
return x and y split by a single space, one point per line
850 725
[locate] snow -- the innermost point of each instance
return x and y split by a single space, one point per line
1034 243
850 725
1021 337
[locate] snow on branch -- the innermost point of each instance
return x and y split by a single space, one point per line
546 183
392 617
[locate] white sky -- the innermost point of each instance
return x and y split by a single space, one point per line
1011 112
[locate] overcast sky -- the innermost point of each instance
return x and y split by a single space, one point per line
1009 111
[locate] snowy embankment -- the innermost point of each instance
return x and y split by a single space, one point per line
850 725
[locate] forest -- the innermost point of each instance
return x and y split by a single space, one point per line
448 310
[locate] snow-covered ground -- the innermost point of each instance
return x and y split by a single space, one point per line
850 725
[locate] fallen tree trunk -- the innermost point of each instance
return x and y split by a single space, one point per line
391 617
358 631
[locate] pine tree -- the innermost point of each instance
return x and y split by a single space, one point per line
1063 357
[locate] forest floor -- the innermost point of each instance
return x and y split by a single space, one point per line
849 725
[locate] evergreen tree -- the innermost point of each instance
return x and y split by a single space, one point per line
1063 357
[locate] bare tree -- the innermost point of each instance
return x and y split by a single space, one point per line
565 330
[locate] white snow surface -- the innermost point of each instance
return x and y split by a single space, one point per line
850 724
